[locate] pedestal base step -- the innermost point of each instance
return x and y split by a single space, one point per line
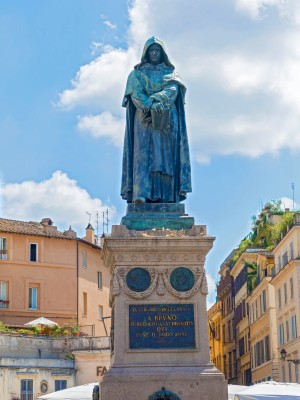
147 216
187 383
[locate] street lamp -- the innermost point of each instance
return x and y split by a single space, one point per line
283 355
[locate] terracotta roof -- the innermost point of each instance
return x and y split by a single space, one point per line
30 228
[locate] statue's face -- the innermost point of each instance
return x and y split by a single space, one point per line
154 54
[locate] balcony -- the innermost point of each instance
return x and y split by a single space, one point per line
4 303
224 285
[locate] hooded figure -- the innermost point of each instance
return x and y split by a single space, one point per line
156 162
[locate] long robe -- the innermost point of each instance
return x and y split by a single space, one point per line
156 163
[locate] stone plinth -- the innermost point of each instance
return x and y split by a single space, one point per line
146 216
159 332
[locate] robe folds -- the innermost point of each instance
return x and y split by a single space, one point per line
156 162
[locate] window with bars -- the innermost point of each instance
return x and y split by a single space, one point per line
26 389
100 312
291 287
3 248
60 384
33 252
4 294
33 298
293 327
99 280
84 259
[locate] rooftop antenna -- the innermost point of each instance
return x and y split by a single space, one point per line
97 225
103 222
89 214
293 190
107 221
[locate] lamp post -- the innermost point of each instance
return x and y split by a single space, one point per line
283 355
296 361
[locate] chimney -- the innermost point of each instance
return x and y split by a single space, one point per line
70 233
89 234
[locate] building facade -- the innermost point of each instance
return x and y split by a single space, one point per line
286 283
33 366
226 298
45 272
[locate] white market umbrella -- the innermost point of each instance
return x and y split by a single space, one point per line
233 389
270 391
41 321
83 392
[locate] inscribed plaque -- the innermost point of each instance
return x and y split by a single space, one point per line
161 326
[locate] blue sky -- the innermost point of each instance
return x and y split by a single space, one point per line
63 71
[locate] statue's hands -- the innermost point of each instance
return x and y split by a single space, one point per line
147 105
158 107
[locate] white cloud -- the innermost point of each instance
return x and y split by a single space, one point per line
243 95
289 203
211 298
58 197
103 125
107 22
255 7
110 24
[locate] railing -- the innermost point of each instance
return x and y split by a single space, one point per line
3 254
4 303
224 282
27 396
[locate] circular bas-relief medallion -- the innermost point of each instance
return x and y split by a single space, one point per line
44 386
182 279
138 279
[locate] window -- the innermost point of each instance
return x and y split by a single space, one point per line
279 298
100 312
60 385
291 287
99 280
33 252
26 389
287 333
84 259
264 301
3 294
281 335
296 373
84 303
279 262
291 251
285 258
293 327
33 298
260 304
241 347
3 248
256 310
267 348
285 293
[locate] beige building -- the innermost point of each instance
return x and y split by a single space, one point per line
240 272
33 366
45 272
286 284
262 320
214 334
228 346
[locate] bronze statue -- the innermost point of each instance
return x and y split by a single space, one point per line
156 162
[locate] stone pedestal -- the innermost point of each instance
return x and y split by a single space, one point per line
159 327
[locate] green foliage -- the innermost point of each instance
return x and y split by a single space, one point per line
251 275
281 227
4 328
264 234
274 206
